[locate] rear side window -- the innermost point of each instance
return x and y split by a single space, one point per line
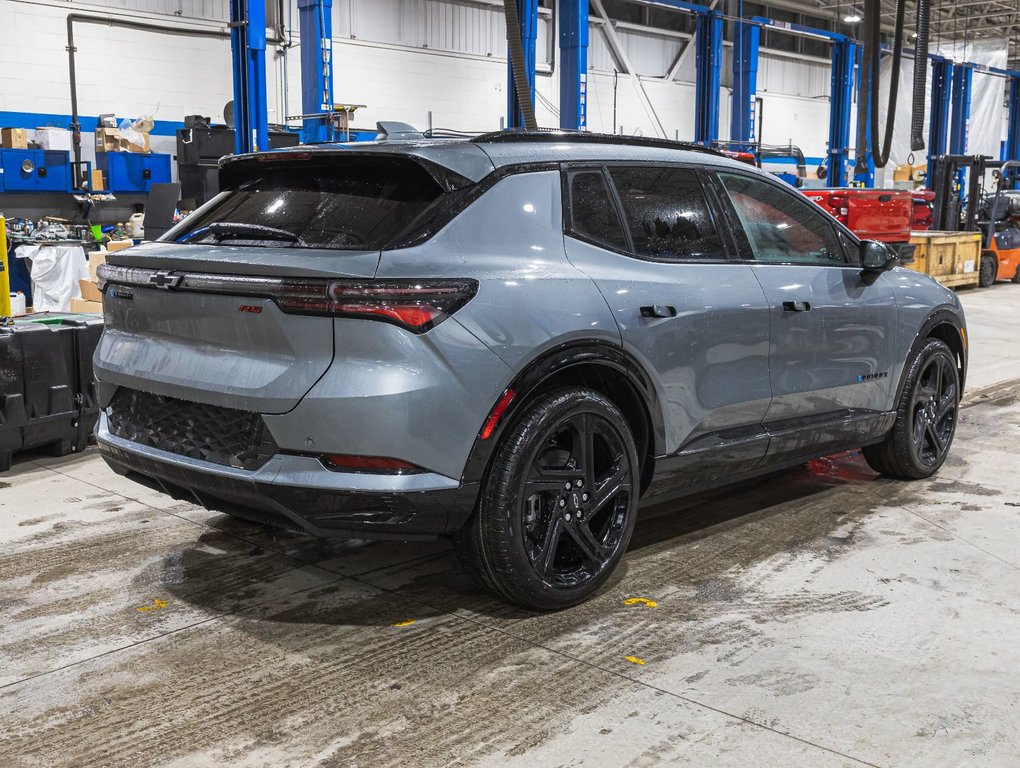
353 203
667 214
593 213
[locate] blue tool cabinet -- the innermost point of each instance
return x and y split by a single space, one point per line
35 170
133 171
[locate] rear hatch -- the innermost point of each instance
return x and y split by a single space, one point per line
222 310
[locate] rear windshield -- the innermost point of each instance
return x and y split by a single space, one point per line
353 203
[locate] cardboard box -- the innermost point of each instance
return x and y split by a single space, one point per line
112 140
902 173
118 245
14 138
84 306
53 138
96 260
97 182
128 146
107 140
90 291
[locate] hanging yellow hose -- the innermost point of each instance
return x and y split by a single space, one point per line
5 281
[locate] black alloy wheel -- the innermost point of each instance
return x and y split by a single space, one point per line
576 500
926 415
558 505
934 406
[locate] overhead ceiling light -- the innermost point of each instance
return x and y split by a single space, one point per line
852 18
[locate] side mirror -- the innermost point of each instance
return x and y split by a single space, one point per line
876 256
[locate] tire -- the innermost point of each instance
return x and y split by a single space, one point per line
1016 275
926 417
988 270
553 547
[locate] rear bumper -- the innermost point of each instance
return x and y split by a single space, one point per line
298 493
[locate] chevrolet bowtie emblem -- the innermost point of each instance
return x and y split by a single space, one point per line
165 280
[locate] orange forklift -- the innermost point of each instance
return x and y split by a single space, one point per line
1000 215
995 215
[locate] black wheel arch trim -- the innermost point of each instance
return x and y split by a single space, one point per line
554 361
942 316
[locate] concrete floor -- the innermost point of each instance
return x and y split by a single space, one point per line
820 617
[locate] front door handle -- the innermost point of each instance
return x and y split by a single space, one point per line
796 306
658 310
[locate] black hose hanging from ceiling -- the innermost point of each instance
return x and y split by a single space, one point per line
920 76
515 49
863 98
880 153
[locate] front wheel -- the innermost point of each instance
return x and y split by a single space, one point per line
558 507
926 417
987 272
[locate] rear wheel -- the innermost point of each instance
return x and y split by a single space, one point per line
926 417
1016 275
557 509
988 270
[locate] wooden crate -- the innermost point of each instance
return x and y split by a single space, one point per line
952 258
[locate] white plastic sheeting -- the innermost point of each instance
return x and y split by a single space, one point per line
56 270
987 116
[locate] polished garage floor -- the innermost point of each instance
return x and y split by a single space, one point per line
820 617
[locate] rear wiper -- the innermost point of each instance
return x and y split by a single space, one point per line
222 229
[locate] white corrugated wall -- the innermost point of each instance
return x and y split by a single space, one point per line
402 58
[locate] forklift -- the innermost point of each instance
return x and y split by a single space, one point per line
996 216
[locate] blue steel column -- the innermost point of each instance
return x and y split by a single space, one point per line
867 178
938 126
527 10
316 28
963 77
708 72
844 58
248 51
743 110
1013 127
573 22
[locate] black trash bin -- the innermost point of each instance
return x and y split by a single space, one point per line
47 385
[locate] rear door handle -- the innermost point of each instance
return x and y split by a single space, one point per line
796 306
658 310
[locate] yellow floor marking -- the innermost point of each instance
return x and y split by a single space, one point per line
156 605
404 623
635 660
642 600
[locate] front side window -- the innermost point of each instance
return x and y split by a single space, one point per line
781 227
343 203
667 214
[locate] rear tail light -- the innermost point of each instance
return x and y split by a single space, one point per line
922 216
840 206
417 305
380 465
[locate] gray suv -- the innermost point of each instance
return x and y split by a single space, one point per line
513 340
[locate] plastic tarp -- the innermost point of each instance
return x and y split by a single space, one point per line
56 270
987 116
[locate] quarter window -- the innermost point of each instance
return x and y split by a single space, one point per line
593 213
781 227
667 215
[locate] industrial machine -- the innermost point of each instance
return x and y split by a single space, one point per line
964 206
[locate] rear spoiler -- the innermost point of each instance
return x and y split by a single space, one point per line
237 169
